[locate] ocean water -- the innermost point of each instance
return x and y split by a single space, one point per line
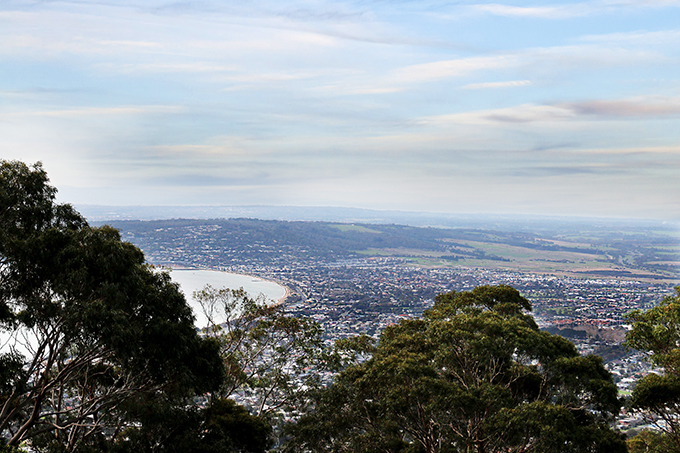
191 280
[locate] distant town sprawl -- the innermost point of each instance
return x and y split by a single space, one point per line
352 293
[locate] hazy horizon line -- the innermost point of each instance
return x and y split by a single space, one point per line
94 211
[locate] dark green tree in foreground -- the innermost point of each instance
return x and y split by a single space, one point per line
221 427
475 374
651 441
658 331
88 329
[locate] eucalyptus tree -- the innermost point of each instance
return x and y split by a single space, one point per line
269 356
88 329
657 396
474 374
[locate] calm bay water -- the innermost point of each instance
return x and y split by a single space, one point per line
191 280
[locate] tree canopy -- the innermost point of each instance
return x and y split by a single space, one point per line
657 331
475 374
269 356
87 326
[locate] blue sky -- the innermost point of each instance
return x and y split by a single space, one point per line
526 107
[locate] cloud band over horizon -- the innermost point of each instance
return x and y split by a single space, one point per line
561 108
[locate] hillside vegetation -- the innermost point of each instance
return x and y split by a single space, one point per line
628 253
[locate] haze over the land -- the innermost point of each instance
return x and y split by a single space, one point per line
526 107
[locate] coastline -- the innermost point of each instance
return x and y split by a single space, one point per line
287 293
280 301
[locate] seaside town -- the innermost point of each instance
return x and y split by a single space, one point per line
363 295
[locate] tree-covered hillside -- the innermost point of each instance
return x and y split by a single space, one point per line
632 254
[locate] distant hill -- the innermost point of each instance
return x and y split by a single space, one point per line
619 250
101 213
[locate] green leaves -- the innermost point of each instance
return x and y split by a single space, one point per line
657 331
502 299
87 324
649 441
657 393
474 374
272 357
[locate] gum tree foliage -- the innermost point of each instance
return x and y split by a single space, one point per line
269 356
474 374
87 327
650 441
658 396
220 427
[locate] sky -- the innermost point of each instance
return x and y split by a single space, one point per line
517 107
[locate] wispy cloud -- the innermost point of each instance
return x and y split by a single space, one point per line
640 108
548 170
454 68
100 111
554 61
525 113
643 107
227 147
660 150
349 103
358 89
192 67
570 11
547 12
635 38
271 77
508 84
133 44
